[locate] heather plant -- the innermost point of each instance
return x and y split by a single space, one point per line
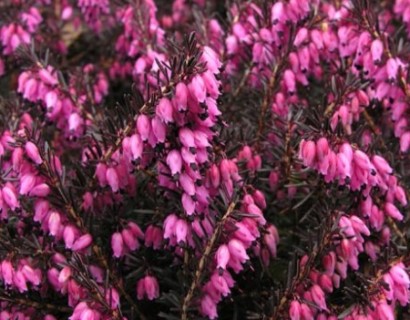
194 159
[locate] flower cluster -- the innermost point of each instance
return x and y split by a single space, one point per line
187 159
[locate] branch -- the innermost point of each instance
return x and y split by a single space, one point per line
324 242
203 260
101 258
41 306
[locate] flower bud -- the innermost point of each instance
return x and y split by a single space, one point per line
40 190
295 310
82 242
392 211
65 274
33 153
305 312
69 236
54 223
301 37
318 297
27 182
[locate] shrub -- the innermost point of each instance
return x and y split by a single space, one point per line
188 158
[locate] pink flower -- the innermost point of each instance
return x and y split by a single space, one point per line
7 272
222 256
290 81
181 231
33 153
308 153
82 242
211 58
153 237
271 239
278 13
144 126
399 275
117 244
40 190
112 179
377 50
381 165
20 281
188 204
208 307
318 297
164 110
197 88
305 312
384 311
137 146
295 310
148 287
187 184
31 275
65 274
130 239
113 298
181 96
159 129
27 182
237 250
405 142
220 284
186 136
169 226
392 211
69 235
174 162
101 173
392 68
54 223
301 37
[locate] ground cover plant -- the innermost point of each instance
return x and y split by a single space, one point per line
194 159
